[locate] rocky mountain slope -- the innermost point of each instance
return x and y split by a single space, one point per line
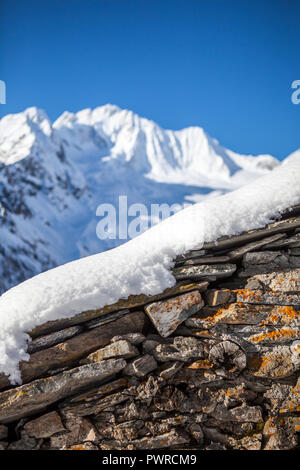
54 176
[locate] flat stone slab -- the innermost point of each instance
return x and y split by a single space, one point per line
206 271
95 400
245 314
269 298
239 252
69 352
167 315
119 309
36 396
276 363
47 341
272 229
119 349
284 282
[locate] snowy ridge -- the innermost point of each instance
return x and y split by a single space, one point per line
142 265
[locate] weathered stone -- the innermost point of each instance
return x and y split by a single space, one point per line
3 432
125 431
36 396
226 243
209 271
189 255
168 314
253 442
280 434
85 404
293 241
133 338
243 413
182 349
148 388
170 369
47 341
256 296
3 445
163 441
246 314
72 350
45 426
230 355
215 297
260 257
79 430
119 308
104 319
280 262
149 345
283 282
206 260
284 399
119 349
143 365
276 363
270 336
25 443
239 252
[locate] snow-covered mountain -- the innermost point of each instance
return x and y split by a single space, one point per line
54 176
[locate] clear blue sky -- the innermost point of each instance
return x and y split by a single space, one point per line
226 65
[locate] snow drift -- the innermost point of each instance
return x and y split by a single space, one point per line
142 265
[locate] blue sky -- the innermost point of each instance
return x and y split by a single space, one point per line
226 65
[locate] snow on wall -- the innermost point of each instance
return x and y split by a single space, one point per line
140 266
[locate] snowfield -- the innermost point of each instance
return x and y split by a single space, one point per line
142 265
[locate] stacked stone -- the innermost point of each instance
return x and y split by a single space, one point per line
212 363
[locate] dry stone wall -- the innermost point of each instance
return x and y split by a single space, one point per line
212 363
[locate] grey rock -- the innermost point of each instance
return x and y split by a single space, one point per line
47 341
167 315
182 349
173 438
36 396
143 365
293 241
79 430
25 443
118 349
209 272
133 338
45 426
170 370
239 252
243 413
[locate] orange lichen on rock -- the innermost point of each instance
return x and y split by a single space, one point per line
201 364
248 295
275 335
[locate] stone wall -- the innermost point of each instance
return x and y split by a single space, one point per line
212 363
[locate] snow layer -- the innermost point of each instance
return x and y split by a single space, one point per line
142 265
